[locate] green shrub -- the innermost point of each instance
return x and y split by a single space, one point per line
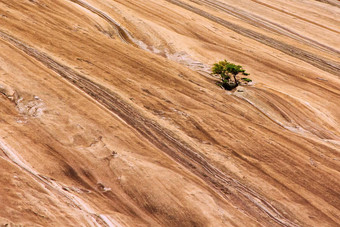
228 72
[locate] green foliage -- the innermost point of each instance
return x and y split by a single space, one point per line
227 69
220 68
246 79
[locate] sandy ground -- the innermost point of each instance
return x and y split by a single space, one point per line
109 115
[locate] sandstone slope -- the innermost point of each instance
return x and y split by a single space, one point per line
109 115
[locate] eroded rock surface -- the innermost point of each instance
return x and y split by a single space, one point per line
109 115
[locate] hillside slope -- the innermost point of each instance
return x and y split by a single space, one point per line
109 115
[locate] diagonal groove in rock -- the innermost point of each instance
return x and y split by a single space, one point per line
335 3
268 25
294 15
123 35
12 156
242 196
323 64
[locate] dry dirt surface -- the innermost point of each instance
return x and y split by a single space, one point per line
109 115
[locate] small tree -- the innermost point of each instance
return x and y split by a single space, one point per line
228 72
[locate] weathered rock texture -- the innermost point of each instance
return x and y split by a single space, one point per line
109 116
